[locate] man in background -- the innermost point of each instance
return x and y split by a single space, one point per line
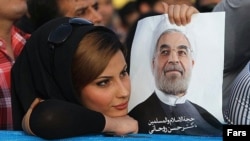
12 41
41 11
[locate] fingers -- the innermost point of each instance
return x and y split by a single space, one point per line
170 13
177 14
183 15
190 12
180 14
165 7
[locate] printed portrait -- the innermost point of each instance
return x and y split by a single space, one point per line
176 75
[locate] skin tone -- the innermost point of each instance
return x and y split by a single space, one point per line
173 63
81 8
11 10
109 93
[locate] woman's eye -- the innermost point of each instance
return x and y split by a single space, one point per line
124 73
102 83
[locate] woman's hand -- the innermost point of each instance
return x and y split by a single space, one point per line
179 14
26 118
120 125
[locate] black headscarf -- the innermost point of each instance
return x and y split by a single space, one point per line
44 71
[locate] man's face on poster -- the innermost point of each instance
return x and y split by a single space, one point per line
173 63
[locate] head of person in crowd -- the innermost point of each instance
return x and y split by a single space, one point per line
145 6
128 15
41 11
172 62
71 60
12 10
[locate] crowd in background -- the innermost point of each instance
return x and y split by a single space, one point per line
119 15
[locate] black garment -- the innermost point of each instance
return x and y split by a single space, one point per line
155 117
45 72
26 25
40 12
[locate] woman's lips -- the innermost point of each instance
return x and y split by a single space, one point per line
122 106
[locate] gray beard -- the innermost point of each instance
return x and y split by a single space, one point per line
172 85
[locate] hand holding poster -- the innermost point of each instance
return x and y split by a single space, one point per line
176 75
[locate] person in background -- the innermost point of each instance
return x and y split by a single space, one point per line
236 78
128 16
172 65
12 41
145 6
41 11
110 17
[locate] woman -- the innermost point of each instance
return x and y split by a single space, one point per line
71 79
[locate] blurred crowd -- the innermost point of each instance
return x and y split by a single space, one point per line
119 15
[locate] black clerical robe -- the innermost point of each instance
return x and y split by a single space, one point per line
155 117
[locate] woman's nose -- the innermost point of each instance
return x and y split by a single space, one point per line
123 89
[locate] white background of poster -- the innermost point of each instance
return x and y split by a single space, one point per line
207 33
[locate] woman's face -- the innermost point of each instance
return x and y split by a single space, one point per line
109 93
